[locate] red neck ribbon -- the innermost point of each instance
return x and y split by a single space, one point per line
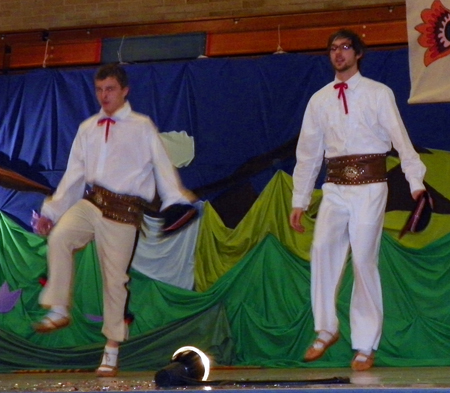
108 121
342 86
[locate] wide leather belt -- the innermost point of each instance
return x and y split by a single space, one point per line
123 208
356 169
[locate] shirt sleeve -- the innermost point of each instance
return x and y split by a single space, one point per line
309 153
71 187
168 183
390 118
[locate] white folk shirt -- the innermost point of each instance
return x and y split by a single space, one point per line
133 161
372 125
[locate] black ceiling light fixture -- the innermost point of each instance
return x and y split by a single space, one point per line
189 366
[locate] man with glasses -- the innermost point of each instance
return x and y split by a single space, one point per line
352 123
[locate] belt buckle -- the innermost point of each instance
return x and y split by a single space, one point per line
98 198
351 172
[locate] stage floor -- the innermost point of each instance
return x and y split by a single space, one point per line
256 379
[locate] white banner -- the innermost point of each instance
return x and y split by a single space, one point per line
428 24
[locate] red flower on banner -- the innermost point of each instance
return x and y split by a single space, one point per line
435 32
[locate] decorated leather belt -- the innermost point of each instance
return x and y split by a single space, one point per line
123 208
356 169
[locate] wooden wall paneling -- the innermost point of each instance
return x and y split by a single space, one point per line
341 17
304 39
379 34
58 54
241 35
4 55
22 37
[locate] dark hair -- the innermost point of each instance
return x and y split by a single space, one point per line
113 71
357 43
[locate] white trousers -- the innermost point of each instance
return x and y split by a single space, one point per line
114 241
350 217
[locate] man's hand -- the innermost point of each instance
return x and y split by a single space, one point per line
416 195
42 226
295 219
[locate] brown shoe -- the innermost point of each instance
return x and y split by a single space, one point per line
362 362
50 324
315 351
106 371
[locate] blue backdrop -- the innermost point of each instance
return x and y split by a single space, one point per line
238 110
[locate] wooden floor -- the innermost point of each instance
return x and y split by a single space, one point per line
393 380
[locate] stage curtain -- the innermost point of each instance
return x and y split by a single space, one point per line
158 328
256 312
221 247
167 258
233 111
251 301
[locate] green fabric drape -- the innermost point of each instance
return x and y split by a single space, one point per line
149 351
252 306
154 335
259 313
220 248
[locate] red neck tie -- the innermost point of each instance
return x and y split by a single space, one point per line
108 121
342 86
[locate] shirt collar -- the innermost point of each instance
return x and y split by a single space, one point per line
119 114
352 82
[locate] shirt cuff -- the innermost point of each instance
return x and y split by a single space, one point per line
300 202
415 185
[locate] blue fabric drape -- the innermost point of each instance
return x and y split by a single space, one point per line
235 109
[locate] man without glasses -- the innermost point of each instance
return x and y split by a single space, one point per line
118 154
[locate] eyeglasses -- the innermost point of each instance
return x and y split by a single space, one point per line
334 48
